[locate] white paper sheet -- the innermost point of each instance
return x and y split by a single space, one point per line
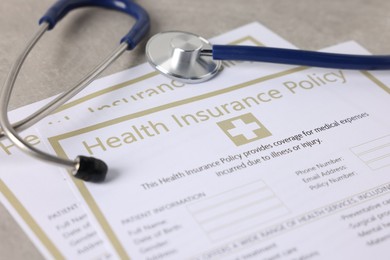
258 163
38 196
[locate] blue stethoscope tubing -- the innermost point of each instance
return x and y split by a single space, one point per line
301 57
132 38
92 169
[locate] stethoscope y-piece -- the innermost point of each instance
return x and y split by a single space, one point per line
86 168
190 58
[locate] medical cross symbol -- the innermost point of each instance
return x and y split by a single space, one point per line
242 128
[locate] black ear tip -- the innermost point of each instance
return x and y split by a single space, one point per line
91 169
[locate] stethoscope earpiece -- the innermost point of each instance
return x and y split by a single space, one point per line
90 169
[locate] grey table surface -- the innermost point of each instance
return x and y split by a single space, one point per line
77 43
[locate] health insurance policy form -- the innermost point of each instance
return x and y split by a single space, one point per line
39 198
286 165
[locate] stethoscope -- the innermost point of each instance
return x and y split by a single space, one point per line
178 55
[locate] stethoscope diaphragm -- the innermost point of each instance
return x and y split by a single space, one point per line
181 56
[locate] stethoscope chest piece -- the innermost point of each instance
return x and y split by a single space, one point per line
178 56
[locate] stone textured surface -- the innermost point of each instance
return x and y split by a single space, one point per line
78 43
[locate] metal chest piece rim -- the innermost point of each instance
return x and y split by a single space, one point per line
178 56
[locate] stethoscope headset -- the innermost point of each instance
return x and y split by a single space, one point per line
178 55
